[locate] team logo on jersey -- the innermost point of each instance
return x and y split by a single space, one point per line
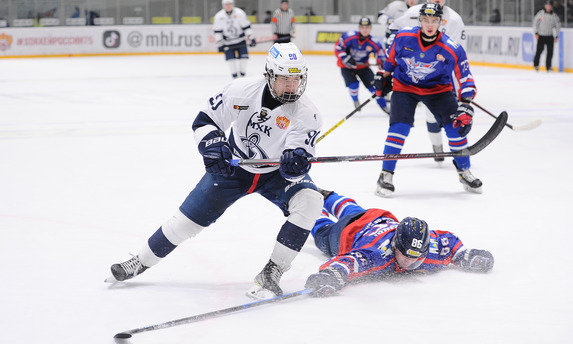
440 57
256 122
369 49
418 71
240 107
282 122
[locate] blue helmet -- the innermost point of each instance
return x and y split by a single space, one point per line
412 238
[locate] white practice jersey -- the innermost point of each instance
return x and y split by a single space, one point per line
394 10
261 133
452 23
231 28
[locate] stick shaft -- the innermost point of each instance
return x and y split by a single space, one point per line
205 316
491 114
345 118
485 140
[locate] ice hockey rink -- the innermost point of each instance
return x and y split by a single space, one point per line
96 152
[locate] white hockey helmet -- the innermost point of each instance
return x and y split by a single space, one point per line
285 60
224 2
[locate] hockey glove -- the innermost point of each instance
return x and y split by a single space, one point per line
221 47
473 260
216 154
348 61
382 85
252 42
326 282
294 164
463 119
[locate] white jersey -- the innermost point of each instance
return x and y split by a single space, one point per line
261 133
394 10
452 23
231 28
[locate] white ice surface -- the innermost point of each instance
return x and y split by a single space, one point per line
95 153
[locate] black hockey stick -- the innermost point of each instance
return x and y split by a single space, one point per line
345 118
525 127
204 316
477 147
278 40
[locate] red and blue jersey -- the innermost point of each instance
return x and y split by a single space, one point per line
365 243
359 47
428 70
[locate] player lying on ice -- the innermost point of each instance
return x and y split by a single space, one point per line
369 243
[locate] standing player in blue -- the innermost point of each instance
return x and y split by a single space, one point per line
370 243
419 68
353 53
267 117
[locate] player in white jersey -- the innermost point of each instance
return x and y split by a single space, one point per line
453 26
231 27
394 10
262 118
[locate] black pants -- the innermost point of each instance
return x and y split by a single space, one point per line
541 43
282 38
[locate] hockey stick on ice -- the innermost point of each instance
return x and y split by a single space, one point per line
529 126
477 147
204 316
345 118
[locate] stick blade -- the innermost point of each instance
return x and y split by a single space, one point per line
122 335
528 126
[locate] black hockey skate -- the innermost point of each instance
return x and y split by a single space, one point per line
384 185
470 183
127 270
267 282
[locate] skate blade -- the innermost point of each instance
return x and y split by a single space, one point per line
111 279
380 192
259 293
473 190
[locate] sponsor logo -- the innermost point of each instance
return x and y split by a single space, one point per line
440 57
240 107
283 122
413 253
274 52
328 37
294 70
5 41
527 47
111 39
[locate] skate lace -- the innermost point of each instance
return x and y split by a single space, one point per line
467 175
132 266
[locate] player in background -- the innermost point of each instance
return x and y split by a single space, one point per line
453 26
419 68
231 27
373 243
353 52
392 11
268 117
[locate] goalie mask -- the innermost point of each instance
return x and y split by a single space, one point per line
286 72
412 240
